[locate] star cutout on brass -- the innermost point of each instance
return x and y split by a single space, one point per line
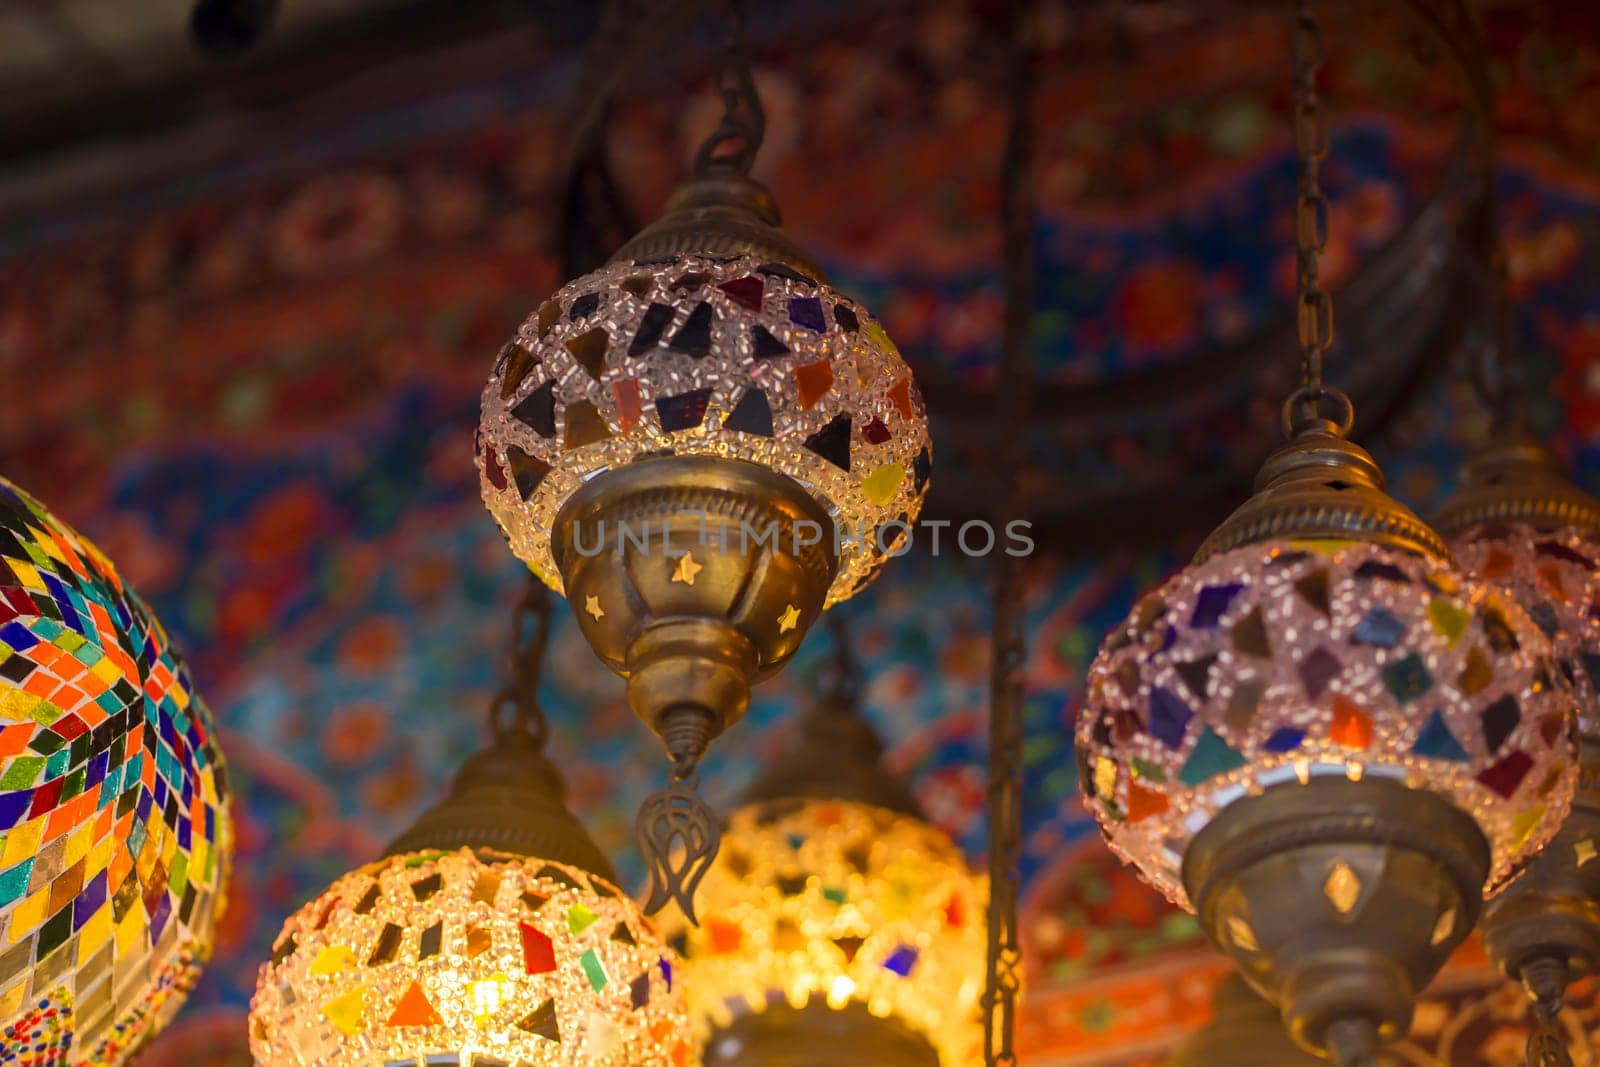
686 570
591 604
1585 851
789 619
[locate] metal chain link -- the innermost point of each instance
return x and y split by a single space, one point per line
1009 652
1312 402
516 708
737 138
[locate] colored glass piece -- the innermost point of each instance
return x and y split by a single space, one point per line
764 345
538 952
585 426
1437 742
832 442
580 917
654 323
1500 719
1284 739
806 312
752 414
1313 588
1211 756
537 410
1319 668
694 336
595 970
1350 727
541 1021
882 484
1144 803
812 382
746 291
583 307
902 961
1169 717
1380 628
630 409
1476 674
1250 636
1507 775
414 1009
1212 603
845 318
876 433
346 1010
589 351
684 411
1407 679
1448 620
1196 674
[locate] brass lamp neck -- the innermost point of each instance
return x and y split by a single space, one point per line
1517 478
1321 485
508 798
722 214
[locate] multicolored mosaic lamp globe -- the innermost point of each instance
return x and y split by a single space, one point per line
491 933
702 444
1520 523
1328 740
470 956
837 923
115 835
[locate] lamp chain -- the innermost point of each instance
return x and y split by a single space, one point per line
737 138
1009 654
1312 403
516 708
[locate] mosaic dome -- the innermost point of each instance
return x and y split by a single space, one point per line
846 903
469 957
699 356
1341 659
1554 575
115 835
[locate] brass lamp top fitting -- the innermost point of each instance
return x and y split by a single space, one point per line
509 798
835 754
1517 479
720 213
1322 485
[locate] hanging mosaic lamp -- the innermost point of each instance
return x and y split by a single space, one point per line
1321 736
675 440
491 933
115 836
1520 523
838 927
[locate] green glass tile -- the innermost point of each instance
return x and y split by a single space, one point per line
1150 772
1211 756
835 895
22 773
594 970
1407 679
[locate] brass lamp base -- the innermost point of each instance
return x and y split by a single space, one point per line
818 1036
1339 900
509 798
1544 930
1244 1031
692 577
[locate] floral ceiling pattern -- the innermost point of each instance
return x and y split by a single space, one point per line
257 391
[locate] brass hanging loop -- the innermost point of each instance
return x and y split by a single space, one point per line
733 145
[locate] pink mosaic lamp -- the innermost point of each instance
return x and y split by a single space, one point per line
1322 736
702 444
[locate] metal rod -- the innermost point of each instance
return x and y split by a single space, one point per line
1009 653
